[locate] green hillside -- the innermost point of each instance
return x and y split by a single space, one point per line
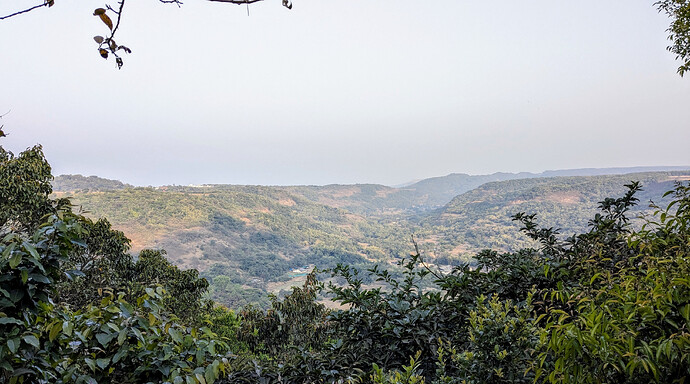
250 240
481 218
254 236
434 192
65 183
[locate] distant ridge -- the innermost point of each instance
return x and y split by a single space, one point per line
611 171
70 183
440 190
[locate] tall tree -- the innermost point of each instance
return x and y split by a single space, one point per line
679 31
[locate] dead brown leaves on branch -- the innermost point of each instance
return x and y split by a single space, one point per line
111 16
108 47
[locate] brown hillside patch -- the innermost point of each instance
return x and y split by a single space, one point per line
570 197
460 249
140 237
385 192
345 192
287 202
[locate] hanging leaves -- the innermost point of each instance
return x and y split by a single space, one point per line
106 20
107 45
100 12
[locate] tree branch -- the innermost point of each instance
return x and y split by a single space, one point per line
286 3
46 4
239 2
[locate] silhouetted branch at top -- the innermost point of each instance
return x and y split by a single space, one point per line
45 4
286 3
49 3
677 10
238 1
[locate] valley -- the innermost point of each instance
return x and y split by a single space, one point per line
246 240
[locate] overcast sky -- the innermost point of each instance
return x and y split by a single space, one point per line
381 91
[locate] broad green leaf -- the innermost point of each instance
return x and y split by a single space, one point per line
67 327
102 363
13 344
54 331
119 355
126 309
210 375
10 320
138 334
15 260
175 334
32 340
30 248
39 278
122 336
105 338
91 363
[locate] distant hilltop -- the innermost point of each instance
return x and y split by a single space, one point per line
611 171
69 183
448 186
440 190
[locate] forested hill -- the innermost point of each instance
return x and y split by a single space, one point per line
254 238
371 199
434 192
66 183
482 217
437 191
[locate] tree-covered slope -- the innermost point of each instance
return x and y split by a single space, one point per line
481 218
253 238
434 192
66 183
249 235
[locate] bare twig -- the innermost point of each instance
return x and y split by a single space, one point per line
239 2
119 16
46 4
286 3
421 260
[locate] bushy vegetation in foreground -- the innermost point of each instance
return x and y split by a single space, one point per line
611 305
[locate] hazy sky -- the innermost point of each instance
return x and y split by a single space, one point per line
381 91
